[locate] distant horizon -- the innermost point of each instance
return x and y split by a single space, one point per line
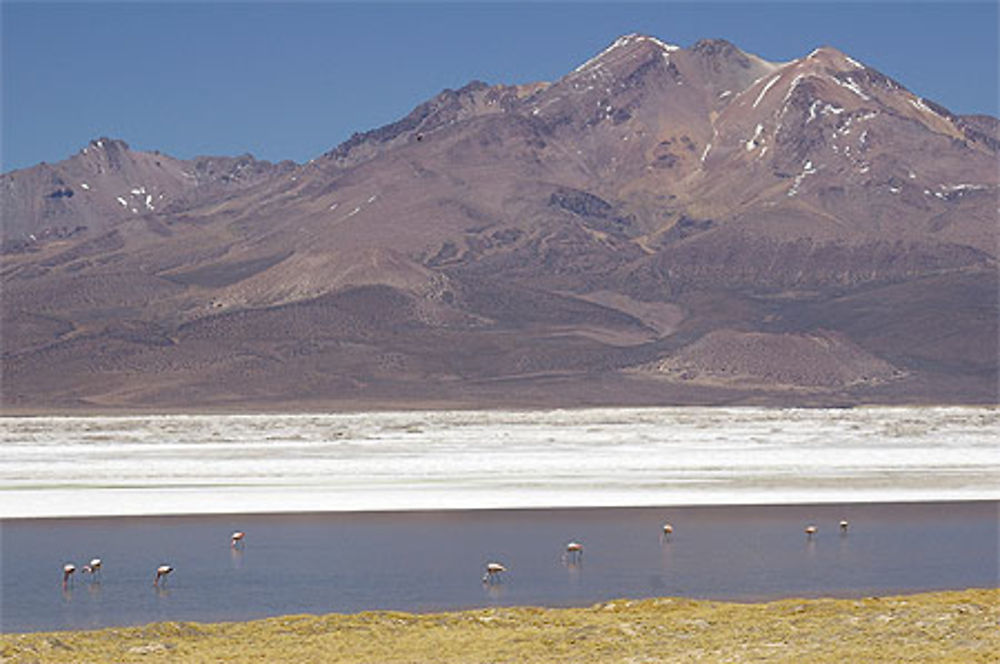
292 81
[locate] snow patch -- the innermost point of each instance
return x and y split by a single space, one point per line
752 143
963 187
662 44
918 103
812 110
620 42
725 93
807 169
766 88
705 152
122 201
84 185
850 85
791 88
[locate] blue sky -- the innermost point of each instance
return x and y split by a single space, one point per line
290 81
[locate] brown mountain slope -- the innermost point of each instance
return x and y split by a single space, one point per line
106 182
656 212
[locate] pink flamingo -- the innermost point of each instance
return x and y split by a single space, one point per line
493 572
68 570
811 530
93 567
237 539
161 573
574 552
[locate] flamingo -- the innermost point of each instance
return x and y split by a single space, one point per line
493 571
161 573
237 541
667 530
93 567
810 531
574 552
68 570
843 525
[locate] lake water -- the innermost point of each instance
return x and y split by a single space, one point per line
422 561
919 486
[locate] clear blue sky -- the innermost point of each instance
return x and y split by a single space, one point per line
290 81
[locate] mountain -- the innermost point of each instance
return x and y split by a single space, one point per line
107 183
661 225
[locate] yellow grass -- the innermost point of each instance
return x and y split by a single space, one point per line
959 626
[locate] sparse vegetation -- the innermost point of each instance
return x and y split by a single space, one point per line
958 626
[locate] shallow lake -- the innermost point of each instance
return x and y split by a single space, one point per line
421 561
350 512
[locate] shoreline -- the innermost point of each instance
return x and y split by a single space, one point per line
600 457
938 626
387 407
512 511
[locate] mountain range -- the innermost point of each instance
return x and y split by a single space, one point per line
662 225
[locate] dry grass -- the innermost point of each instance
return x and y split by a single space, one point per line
959 626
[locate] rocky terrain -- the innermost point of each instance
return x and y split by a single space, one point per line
661 225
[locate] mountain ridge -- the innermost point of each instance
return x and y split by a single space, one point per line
645 215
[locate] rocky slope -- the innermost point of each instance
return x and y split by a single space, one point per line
661 225
107 183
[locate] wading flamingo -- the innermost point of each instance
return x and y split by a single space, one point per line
574 552
68 570
93 567
668 530
843 525
493 572
161 573
237 541
810 531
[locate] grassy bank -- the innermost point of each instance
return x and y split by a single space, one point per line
960 626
